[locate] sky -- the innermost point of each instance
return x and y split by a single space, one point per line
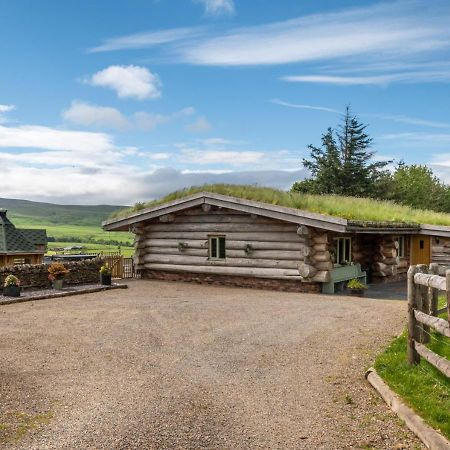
124 101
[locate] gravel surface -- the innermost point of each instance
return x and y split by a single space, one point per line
179 366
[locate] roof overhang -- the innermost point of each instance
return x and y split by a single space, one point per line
291 215
435 230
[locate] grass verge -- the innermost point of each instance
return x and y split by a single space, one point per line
422 387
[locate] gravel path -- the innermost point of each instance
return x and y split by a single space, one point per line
179 366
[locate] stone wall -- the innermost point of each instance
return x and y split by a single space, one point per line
36 276
232 280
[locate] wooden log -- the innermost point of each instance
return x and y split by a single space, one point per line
230 218
236 236
306 271
440 363
321 257
231 244
433 292
320 239
223 270
167 218
389 252
322 277
303 230
222 227
192 260
413 356
427 280
440 325
240 253
320 247
206 207
325 265
403 263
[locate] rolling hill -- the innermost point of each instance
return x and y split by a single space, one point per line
67 223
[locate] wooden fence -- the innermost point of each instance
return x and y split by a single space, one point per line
424 285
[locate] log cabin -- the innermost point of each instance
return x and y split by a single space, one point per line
220 239
18 245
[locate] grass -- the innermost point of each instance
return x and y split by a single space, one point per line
350 208
423 387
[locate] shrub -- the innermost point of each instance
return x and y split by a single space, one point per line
57 271
356 284
105 269
11 280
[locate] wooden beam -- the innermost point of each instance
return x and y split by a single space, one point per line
440 363
413 356
430 280
440 325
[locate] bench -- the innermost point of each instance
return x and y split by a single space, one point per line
343 273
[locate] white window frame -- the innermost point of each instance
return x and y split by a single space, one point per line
402 246
215 241
347 258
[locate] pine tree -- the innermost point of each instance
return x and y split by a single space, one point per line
344 163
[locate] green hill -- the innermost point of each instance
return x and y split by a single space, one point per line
67 223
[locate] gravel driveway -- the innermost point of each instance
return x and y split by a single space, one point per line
178 366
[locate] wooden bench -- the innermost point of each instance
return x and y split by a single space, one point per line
343 273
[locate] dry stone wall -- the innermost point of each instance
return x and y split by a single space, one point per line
36 276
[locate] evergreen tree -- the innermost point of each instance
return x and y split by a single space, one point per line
344 163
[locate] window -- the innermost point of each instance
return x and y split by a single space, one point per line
217 247
401 246
343 250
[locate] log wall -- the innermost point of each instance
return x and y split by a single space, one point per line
255 246
440 250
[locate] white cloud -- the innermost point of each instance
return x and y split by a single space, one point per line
150 39
88 115
276 101
226 157
218 7
201 125
128 81
5 109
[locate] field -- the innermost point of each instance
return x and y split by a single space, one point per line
90 248
69 224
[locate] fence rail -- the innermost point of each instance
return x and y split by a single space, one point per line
423 290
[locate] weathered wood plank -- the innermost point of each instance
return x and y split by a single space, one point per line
192 260
222 227
440 325
236 236
440 363
225 218
434 281
240 271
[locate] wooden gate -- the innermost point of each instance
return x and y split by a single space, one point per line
129 269
115 262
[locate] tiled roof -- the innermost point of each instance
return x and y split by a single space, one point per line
14 240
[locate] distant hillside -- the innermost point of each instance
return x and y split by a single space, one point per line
37 213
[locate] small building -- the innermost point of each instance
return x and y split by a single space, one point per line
208 237
20 246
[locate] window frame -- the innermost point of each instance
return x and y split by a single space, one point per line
217 239
401 247
348 258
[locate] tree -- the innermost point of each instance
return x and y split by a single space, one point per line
344 163
417 186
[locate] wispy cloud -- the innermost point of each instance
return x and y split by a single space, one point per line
128 81
3 110
201 125
217 7
277 101
146 40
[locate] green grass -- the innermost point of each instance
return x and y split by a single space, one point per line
423 387
350 208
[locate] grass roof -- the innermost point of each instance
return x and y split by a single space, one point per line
350 208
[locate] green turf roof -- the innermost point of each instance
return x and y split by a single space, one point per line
358 210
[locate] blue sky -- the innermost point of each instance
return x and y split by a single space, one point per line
124 101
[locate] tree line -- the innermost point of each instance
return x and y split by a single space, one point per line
346 164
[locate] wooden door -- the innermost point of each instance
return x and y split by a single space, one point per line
420 249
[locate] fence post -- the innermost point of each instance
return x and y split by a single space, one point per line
447 286
434 293
413 356
421 303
